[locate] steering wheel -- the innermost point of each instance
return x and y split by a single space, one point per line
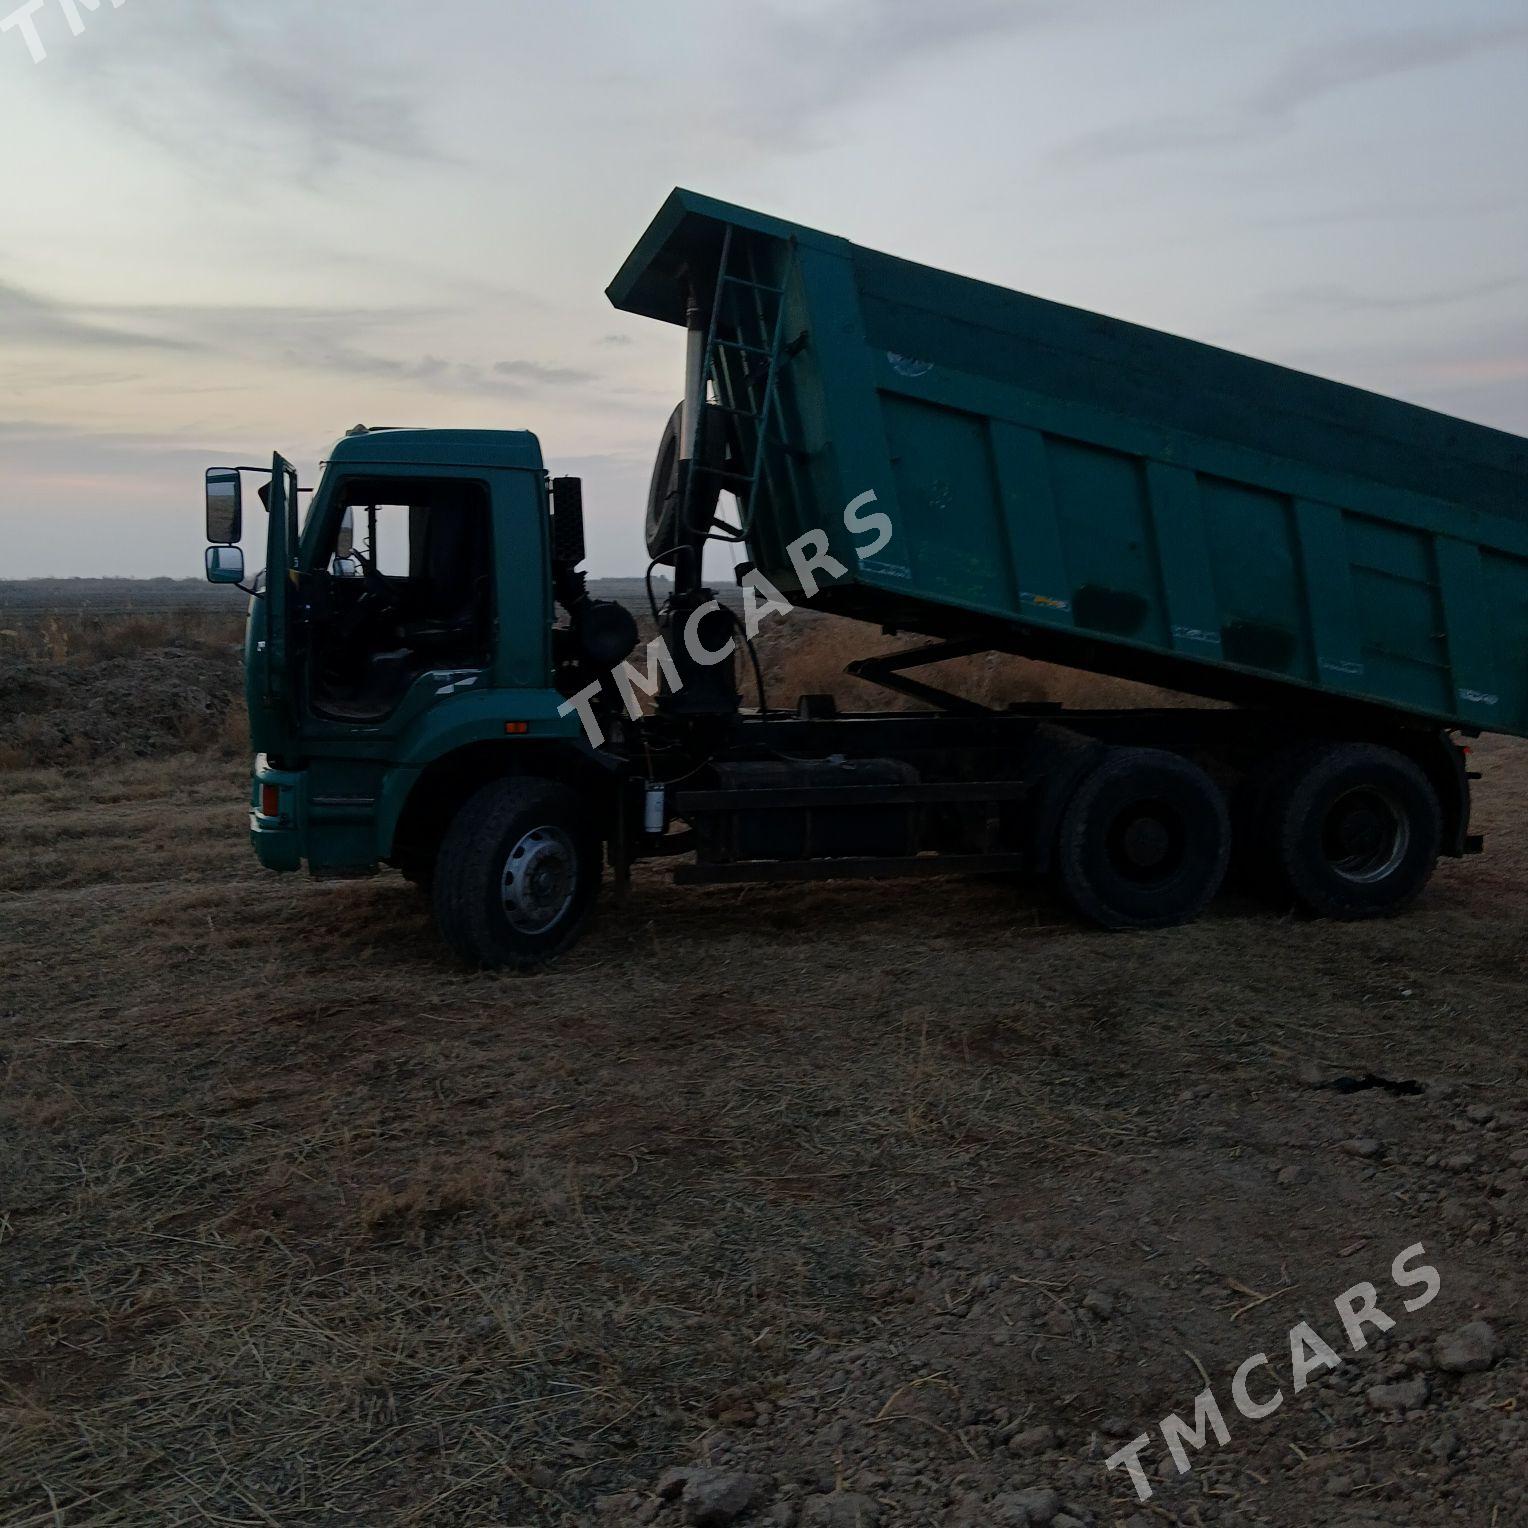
375 586
377 598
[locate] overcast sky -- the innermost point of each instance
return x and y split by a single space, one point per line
230 227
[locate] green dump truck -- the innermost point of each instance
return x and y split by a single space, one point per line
432 687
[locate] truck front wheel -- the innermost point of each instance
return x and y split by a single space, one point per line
1354 830
1145 840
516 875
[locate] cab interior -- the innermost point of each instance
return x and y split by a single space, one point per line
403 587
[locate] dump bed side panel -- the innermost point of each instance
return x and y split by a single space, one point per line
1257 548
1113 497
1179 546
1090 359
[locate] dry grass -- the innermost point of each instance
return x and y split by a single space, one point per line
87 639
77 690
806 654
302 1224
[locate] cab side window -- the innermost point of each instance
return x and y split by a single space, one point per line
415 596
388 527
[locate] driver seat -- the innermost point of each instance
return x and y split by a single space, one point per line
448 603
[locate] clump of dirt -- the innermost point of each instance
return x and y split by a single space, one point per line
116 706
1019 1352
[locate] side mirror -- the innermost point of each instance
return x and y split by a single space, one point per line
225 565
344 543
225 507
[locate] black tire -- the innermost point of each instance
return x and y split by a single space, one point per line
1354 830
1144 842
663 493
665 535
517 874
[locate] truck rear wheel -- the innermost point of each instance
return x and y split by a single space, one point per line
516 875
1354 830
1144 842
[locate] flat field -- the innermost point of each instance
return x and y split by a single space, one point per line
907 1204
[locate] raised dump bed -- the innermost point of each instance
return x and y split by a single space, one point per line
1093 492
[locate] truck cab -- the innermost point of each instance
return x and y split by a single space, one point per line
400 641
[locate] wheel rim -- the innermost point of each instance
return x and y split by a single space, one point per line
1366 835
1146 843
539 880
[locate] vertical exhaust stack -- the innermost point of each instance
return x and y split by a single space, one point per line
694 375
687 569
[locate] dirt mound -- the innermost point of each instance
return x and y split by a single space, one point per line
806 653
129 705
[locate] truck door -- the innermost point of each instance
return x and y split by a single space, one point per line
273 688
416 599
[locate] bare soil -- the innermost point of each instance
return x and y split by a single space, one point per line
899 1201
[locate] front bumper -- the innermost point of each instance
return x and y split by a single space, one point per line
276 836
325 816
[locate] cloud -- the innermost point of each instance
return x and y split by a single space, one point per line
1388 212
342 340
34 373
111 446
509 379
1307 76
809 63
354 362
1313 73
831 56
230 329
278 90
1335 298
347 341
28 318
535 371
1476 372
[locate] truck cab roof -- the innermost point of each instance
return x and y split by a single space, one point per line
500 449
